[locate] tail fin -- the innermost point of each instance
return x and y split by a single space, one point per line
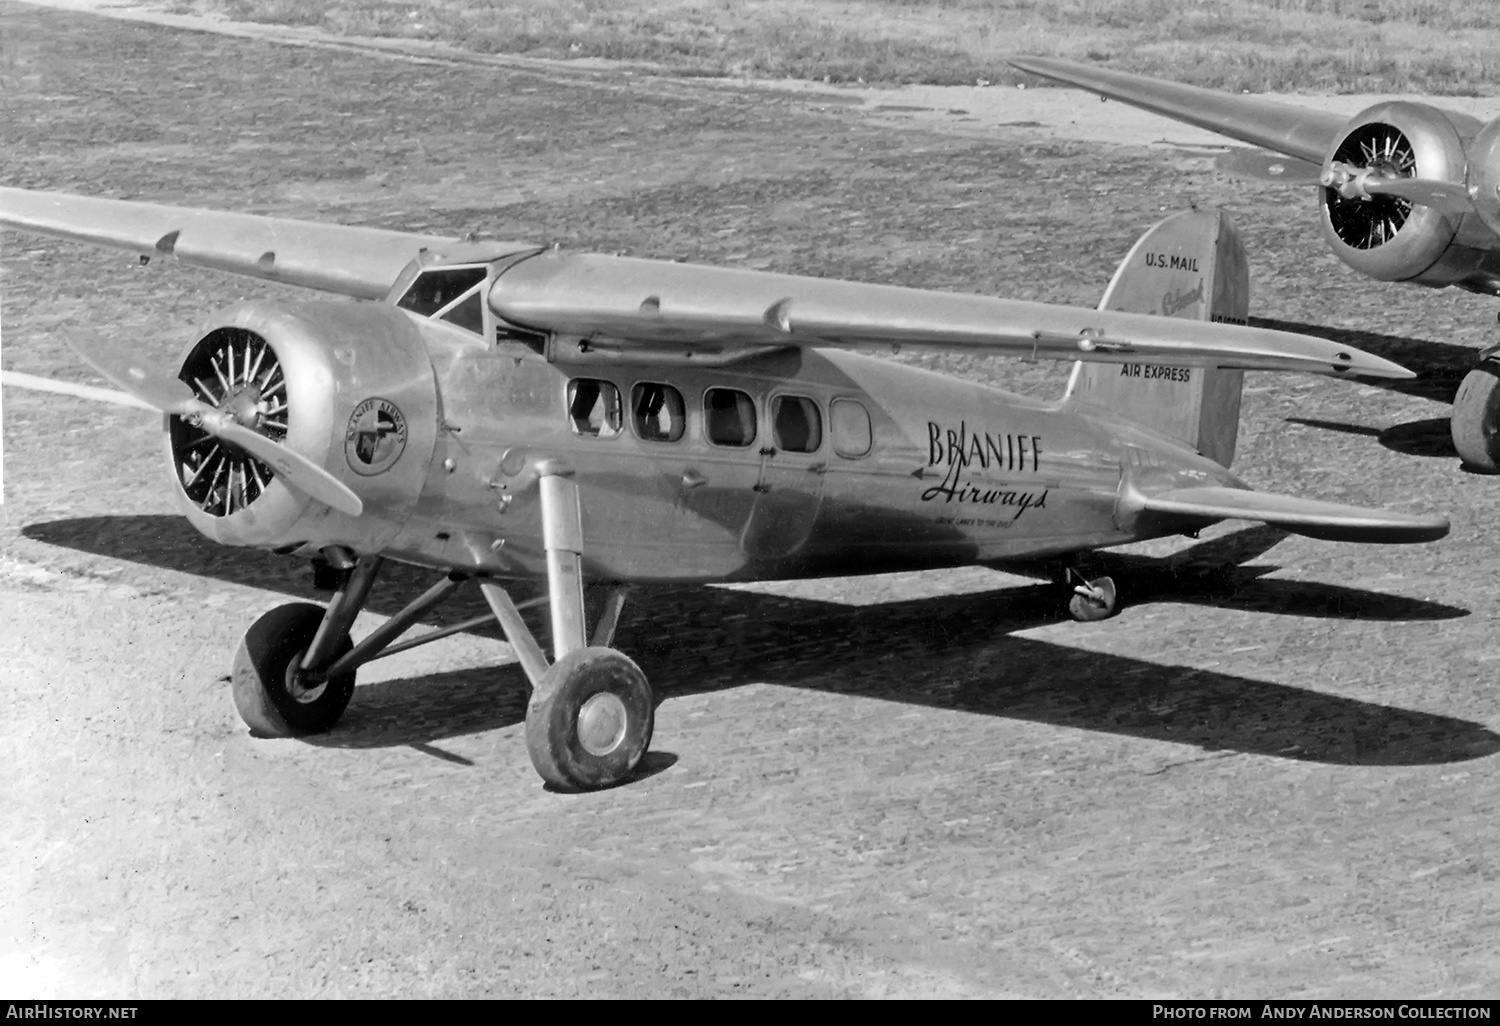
1191 265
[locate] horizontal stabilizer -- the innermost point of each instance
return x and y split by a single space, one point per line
1330 521
1283 127
350 261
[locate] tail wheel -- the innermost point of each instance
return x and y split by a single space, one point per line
1476 418
236 371
274 695
590 720
1370 223
1094 600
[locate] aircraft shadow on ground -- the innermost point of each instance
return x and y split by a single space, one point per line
952 652
1440 366
1431 437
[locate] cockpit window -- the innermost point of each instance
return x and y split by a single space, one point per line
468 313
594 407
439 286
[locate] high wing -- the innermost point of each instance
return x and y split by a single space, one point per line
630 304
647 306
350 261
1329 521
1283 127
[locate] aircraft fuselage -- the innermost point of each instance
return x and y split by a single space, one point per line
790 464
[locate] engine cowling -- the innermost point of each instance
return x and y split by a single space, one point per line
1484 175
1387 237
349 386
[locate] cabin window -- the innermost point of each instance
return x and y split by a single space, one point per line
594 407
852 435
796 424
658 412
436 288
729 417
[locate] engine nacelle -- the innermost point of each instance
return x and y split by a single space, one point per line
349 386
1385 237
1484 175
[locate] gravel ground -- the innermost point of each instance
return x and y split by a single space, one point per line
1277 777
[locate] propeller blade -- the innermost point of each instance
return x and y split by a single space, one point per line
294 469
1365 183
151 387
1265 166
1446 197
169 395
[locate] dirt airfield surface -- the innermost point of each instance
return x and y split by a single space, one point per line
1274 774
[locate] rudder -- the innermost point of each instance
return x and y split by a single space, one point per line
1192 265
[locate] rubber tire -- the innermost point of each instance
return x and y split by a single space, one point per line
552 720
1086 610
1476 418
266 662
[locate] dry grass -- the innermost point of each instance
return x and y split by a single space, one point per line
1429 46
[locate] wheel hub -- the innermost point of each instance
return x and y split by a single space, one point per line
303 687
601 723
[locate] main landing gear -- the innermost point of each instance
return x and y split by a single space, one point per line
1476 416
591 713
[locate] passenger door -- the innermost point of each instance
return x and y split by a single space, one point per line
789 488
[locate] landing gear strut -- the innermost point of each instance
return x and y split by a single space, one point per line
591 713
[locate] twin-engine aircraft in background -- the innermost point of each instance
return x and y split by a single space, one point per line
507 413
1407 193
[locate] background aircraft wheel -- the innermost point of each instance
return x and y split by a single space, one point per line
273 695
1094 600
1476 418
590 720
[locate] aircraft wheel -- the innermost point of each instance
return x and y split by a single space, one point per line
590 720
1476 418
1094 600
273 695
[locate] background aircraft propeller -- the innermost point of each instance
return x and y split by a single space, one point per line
1350 181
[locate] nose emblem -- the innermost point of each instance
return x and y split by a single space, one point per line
375 437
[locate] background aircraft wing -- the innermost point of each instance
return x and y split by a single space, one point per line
1283 127
351 261
630 304
1330 521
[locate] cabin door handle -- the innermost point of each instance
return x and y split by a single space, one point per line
693 479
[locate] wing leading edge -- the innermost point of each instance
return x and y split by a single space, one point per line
1330 521
351 261
1283 127
626 303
